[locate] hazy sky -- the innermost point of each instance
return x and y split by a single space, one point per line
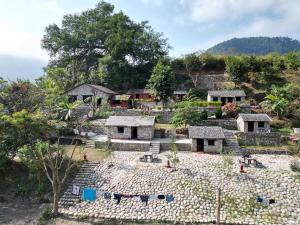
188 24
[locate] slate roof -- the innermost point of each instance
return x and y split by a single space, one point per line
94 86
130 121
255 117
227 93
180 92
138 91
206 132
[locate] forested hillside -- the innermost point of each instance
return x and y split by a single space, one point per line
256 46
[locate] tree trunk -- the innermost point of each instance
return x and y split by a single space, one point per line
55 202
56 192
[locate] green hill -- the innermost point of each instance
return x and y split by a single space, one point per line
256 46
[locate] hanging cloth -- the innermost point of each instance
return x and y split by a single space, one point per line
107 195
89 194
118 197
145 198
75 190
169 198
161 197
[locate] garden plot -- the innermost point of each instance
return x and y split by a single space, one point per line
193 185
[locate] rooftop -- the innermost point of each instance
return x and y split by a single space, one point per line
93 86
139 91
180 92
206 132
255 117
227 93
130 121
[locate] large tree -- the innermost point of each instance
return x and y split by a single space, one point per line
85 39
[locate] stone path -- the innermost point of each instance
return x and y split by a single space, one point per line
194 187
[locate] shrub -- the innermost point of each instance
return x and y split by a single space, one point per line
295 166
230 110
218 113
204 115
105 111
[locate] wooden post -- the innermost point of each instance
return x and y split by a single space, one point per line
218 206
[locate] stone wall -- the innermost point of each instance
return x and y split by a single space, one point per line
145 133
125 146
216 148
264 139
184 147
229 124
210 81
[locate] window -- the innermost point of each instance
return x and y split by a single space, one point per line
120 130
261 124
211 142
215 99
238 99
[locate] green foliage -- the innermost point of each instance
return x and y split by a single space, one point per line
19 129
102 46
173 156
162 81
195 94
256 46
295 166
104 111
292 60
18 95
204 115
197 104
186 115
236 68
218 113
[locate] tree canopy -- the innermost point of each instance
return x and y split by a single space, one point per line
103 47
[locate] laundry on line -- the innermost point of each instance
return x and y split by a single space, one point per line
90 194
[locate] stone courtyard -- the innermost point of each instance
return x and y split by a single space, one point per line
194 184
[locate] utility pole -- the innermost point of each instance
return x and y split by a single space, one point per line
218 206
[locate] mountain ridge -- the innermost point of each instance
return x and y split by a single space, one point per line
256 46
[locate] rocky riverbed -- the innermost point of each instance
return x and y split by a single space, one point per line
194 184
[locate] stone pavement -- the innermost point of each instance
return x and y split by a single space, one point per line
194 186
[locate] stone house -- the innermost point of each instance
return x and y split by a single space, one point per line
256 123
179 95
141 94
130 127
91 92
226 96
206 139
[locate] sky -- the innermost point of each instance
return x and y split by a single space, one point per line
189 25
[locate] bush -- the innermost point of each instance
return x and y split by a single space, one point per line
218 113
230 110
65 131
295 166
204 115
105 111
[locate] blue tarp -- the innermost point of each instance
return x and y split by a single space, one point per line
89 194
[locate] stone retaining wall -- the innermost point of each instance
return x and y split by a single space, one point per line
266 151
229 124
264 139
180 146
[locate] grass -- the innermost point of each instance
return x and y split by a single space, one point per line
93 155
163 126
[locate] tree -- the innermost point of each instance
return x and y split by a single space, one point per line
127 50
236 69
19 95
186 115
292 60
162 82
55 163
193 66
277 103
19 129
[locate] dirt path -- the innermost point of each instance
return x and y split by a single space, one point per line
14 212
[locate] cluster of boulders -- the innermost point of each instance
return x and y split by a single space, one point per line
194 185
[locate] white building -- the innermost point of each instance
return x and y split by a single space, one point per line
254 123
226 96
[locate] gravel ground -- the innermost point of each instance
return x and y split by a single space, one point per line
194 186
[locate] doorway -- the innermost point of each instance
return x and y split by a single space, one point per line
99 101
134 132
200 145
230 100
223 100
250 126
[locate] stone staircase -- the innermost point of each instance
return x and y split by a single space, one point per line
154 147
90 144
231 142
82 179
